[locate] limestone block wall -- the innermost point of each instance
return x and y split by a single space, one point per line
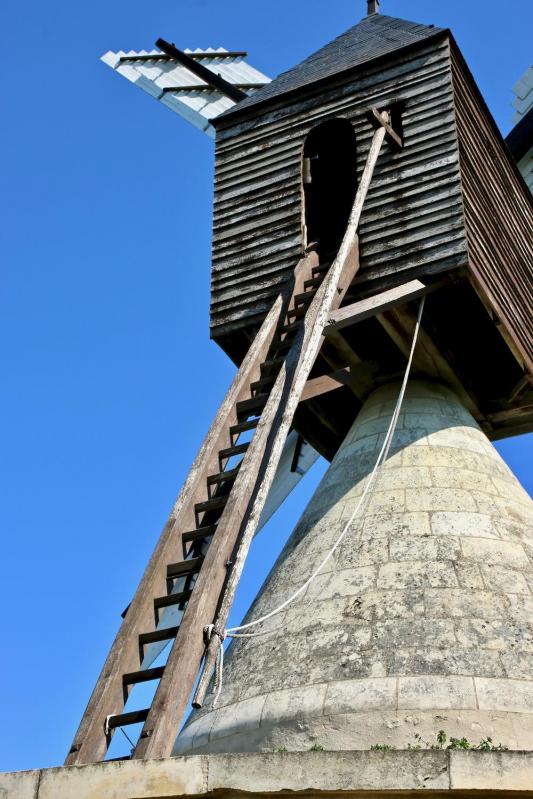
422 620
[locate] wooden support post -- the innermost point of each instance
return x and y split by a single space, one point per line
277 416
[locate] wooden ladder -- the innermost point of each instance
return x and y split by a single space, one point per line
193 573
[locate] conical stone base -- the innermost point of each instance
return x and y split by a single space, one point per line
421 621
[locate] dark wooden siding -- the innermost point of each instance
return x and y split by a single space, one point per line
498 216
412 223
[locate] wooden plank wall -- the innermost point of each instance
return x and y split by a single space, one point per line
412 224
498 216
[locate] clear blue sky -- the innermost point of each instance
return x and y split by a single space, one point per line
109 380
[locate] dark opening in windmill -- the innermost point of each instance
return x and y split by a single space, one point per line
330 183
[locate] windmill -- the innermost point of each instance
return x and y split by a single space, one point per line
371 279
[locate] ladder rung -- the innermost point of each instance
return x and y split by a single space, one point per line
251 406
226 454
293 327
261 385
184 567
236 429
215 503
297 313
282 346
321 269
136 677
303 299
170 599
223 477
272 365
192 536
155 637
314 282
124 719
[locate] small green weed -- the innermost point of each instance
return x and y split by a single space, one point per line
443 742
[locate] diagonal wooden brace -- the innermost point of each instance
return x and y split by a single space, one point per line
382 119
278 414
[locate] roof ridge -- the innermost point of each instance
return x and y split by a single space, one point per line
374 36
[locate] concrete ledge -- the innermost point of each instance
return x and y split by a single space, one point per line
358 774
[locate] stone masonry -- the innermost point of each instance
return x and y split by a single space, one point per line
421 621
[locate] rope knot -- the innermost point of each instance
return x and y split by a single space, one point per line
210 630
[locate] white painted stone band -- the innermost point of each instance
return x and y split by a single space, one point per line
314 774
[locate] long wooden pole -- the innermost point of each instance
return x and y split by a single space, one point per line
90 743
285 396
238 522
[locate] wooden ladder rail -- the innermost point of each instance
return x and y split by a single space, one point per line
237 523
240 518
90 743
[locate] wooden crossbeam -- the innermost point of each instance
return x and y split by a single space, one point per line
352 377
371 306
324 384
379 119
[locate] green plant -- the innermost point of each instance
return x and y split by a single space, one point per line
486 745
281 749
317 748
441 739
443 742
458 743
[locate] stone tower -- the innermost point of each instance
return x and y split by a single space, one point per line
421 621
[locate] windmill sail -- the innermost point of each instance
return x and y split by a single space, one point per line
182 91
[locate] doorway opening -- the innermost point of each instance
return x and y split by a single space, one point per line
329 183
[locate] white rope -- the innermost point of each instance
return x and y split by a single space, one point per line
209 631
234 632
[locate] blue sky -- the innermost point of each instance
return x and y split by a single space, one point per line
109 377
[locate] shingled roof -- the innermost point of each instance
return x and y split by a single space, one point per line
375 36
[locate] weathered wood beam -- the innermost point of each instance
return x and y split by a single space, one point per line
90 743
511 414
323 385
523 385
267 443
377 120
338 353
371 306
349 377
